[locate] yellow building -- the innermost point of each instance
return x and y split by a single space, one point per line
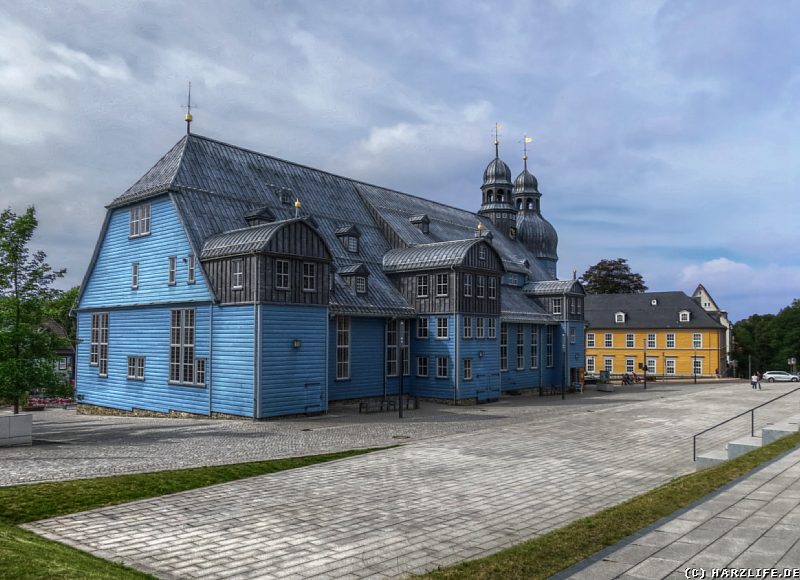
669 332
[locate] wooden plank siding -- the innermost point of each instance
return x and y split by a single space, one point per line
109 282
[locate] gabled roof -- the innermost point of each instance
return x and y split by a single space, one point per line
428 256
599 310
250 240
214 185
353 269
553 287
349 230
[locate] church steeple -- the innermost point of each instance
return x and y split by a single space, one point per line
497 190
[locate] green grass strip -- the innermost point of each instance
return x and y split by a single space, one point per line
24 555
555 551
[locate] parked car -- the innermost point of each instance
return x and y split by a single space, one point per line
772 376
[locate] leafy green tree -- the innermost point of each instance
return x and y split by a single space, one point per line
26 348
767 341
612 277
58 309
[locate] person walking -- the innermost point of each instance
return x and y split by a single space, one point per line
754 381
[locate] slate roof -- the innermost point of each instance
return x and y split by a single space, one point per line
599 310
428 256
242 241
214 185
517 307
551 287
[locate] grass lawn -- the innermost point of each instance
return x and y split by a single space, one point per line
25 555
558 550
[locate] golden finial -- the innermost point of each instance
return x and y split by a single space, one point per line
525 141
297 206
480 227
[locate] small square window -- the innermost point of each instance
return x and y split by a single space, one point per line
361 285
619 317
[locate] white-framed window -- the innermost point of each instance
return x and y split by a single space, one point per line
391 348
422 366
62 363
534 346
422 327
481 252
549 346
697 366
98 353
651 366
190 272
492 328
441 327
361 285
136 368
441 367
479 324
520 347
619 317
441 284
309 277
200 371
467 327
467 284
670 340
578 305
134 275
181 346
572 335
281 274
608 364
572 302
352 244
237 274
609 340
557 305
503 346
422 286
342 347
467 366
684 316
481 286
173 268
512 279
651 340
697 340
590 364
492 288
590 340
139 221
669 365
630 340
630 365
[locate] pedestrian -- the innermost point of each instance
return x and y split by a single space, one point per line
754 381
760 376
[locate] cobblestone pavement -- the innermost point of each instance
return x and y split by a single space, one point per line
753 524
433 502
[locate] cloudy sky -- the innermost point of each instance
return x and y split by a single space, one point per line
667 133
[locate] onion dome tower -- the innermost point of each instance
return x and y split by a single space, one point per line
536 233
496 190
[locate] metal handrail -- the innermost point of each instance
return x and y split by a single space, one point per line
752 421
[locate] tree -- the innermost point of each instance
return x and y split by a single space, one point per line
766 342
612 277
58 309
26 348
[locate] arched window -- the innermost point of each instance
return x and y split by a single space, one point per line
490 196
529 203
519 204
499 197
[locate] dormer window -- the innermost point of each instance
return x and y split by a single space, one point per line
684 316
355 275
654 302
259 216
422 222
284 194
361 285
619 317
348 236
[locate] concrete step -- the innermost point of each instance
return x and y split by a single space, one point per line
774 432
742 446
710 459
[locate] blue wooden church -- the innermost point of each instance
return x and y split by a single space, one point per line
226 283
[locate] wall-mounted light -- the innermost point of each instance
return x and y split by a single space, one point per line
480 354
296 343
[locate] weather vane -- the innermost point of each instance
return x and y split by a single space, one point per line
188 107
497 140
525 141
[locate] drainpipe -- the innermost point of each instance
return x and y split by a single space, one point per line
385 346
210 365
257 348
566 345
457 377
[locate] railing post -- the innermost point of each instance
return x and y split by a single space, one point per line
694 448
753 423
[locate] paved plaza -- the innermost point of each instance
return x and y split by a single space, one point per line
503 473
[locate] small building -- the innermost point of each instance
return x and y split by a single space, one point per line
227 282
667 332
704 299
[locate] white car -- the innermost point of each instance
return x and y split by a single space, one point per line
772 376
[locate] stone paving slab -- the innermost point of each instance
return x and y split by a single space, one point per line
753 524
430 503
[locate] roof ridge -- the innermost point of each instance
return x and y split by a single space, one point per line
185 140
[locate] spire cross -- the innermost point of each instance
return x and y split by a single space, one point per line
188 117
525 141
497 140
